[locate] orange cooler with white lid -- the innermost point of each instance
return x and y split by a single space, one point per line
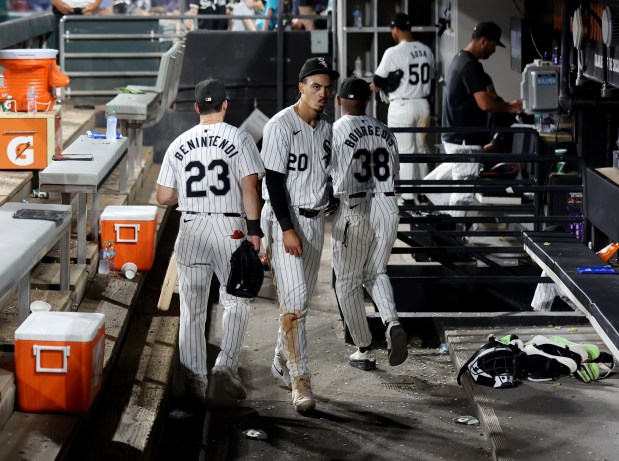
36 67
132 228
59 361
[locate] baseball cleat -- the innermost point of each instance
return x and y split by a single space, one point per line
279 370
231 380
540 363
397 340
593 352
575 352
363 360
302 397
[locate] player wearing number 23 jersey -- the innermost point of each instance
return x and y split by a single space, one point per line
212 172
408 104
365 165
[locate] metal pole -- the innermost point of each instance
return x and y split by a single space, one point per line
280 55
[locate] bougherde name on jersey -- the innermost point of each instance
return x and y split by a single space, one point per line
206 141
355 135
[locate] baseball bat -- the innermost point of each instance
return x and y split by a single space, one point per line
169 284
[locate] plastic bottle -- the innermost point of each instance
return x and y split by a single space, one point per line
2 88
357 17
358 67
538 122
112 121
111 255
31 96
104 262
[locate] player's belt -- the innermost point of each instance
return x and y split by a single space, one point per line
228 215
308 212
363 194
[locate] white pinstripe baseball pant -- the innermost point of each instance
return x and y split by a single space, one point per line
295 278
204 247
408 113
362 240
455 171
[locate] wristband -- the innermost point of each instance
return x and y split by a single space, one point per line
253 228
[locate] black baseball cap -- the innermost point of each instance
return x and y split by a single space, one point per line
315 66
489 30
402 21
354 88
210 90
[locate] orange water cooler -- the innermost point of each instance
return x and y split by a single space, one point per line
26 67
59 361
132 228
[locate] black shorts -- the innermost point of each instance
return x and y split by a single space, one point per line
309 2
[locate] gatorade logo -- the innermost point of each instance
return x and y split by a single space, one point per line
20 150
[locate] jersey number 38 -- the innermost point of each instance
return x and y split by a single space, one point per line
374 163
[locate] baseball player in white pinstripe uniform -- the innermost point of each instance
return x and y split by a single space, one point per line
408 104
212 172
296 150
365 165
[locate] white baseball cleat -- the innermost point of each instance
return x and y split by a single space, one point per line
302 397
363 360
279 370
231 380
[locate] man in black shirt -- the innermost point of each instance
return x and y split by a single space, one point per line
468 100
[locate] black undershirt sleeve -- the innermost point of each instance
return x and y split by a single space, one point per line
276 185
380 82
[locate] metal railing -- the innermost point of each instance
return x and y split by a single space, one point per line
488 236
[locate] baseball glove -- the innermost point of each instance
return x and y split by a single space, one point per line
246 272
393 81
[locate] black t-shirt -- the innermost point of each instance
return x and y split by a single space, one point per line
466 76
212 7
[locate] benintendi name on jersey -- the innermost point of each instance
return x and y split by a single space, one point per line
369 130
207 141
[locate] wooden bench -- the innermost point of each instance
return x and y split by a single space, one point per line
24 243
560 255
139 111
86 177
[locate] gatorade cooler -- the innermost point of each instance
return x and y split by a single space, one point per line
132 228
59 361
25 67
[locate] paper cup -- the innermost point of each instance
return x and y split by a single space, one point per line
129 270
40 306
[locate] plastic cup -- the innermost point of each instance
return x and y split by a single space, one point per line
40 306
129 270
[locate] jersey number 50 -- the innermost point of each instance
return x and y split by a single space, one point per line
374 163
222 178
419 73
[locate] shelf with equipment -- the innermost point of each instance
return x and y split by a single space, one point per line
369 42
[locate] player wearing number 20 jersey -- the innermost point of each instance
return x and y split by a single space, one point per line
365 164
212 172
408 104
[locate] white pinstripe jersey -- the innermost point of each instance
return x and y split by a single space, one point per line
206 164
292 147
365 156
416 61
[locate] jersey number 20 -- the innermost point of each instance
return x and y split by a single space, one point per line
222 177
374 163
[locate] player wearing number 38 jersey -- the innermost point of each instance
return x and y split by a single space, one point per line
212 172
365 164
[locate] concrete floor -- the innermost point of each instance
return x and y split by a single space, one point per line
403 412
